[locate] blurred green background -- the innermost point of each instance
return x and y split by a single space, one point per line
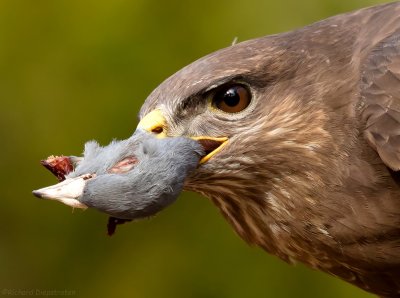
71 71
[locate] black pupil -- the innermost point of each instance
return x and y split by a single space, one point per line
231 97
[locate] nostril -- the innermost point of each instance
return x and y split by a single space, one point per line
157 130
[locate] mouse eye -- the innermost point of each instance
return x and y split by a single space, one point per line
124 165
232 99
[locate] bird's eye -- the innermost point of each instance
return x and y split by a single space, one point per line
232 99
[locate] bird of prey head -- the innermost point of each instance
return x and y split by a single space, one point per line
294 137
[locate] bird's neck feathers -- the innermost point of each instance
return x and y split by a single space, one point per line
279 220
306 208
271 200
292 184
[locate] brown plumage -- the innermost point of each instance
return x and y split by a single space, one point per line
309 172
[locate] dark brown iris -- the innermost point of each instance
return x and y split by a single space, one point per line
232 99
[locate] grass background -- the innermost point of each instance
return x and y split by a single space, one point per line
71 71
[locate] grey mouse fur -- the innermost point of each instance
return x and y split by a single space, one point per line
151 185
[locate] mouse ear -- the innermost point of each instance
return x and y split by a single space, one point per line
124 165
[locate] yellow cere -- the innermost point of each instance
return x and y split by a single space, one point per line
154 122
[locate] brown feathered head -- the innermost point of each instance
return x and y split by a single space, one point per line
276 151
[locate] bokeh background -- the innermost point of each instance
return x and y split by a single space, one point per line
71 71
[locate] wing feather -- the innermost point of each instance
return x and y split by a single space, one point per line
380 92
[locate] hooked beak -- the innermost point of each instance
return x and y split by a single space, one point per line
68 192
155 122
